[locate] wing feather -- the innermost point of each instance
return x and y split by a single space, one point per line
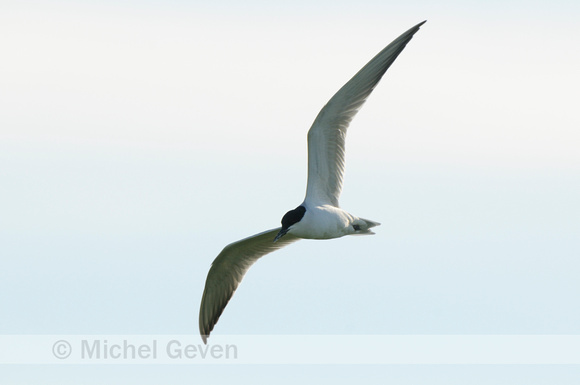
227 271
327 135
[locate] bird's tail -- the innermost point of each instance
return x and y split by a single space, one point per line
362 226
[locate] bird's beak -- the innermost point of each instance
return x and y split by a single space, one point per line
281 234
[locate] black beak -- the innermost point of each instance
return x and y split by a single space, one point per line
280 234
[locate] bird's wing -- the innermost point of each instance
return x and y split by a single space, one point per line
227 271
328 132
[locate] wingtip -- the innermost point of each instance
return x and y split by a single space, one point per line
204 330
416 27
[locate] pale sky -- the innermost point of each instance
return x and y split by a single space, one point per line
136 141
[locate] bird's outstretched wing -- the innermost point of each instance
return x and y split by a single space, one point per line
227 271
328 132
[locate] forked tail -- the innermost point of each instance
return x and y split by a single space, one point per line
363 226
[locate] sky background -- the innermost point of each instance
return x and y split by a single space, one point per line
137 139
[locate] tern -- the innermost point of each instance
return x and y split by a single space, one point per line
319 215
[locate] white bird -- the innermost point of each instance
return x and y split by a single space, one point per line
319 216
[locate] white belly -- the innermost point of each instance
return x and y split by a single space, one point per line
324 222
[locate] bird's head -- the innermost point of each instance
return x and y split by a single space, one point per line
289 219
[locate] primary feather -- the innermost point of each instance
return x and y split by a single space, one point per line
328 132
227 271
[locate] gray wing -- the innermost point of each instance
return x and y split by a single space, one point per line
328 132
227 271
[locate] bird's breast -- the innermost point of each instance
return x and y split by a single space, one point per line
323 222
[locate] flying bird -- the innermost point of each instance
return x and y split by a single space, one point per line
319 215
